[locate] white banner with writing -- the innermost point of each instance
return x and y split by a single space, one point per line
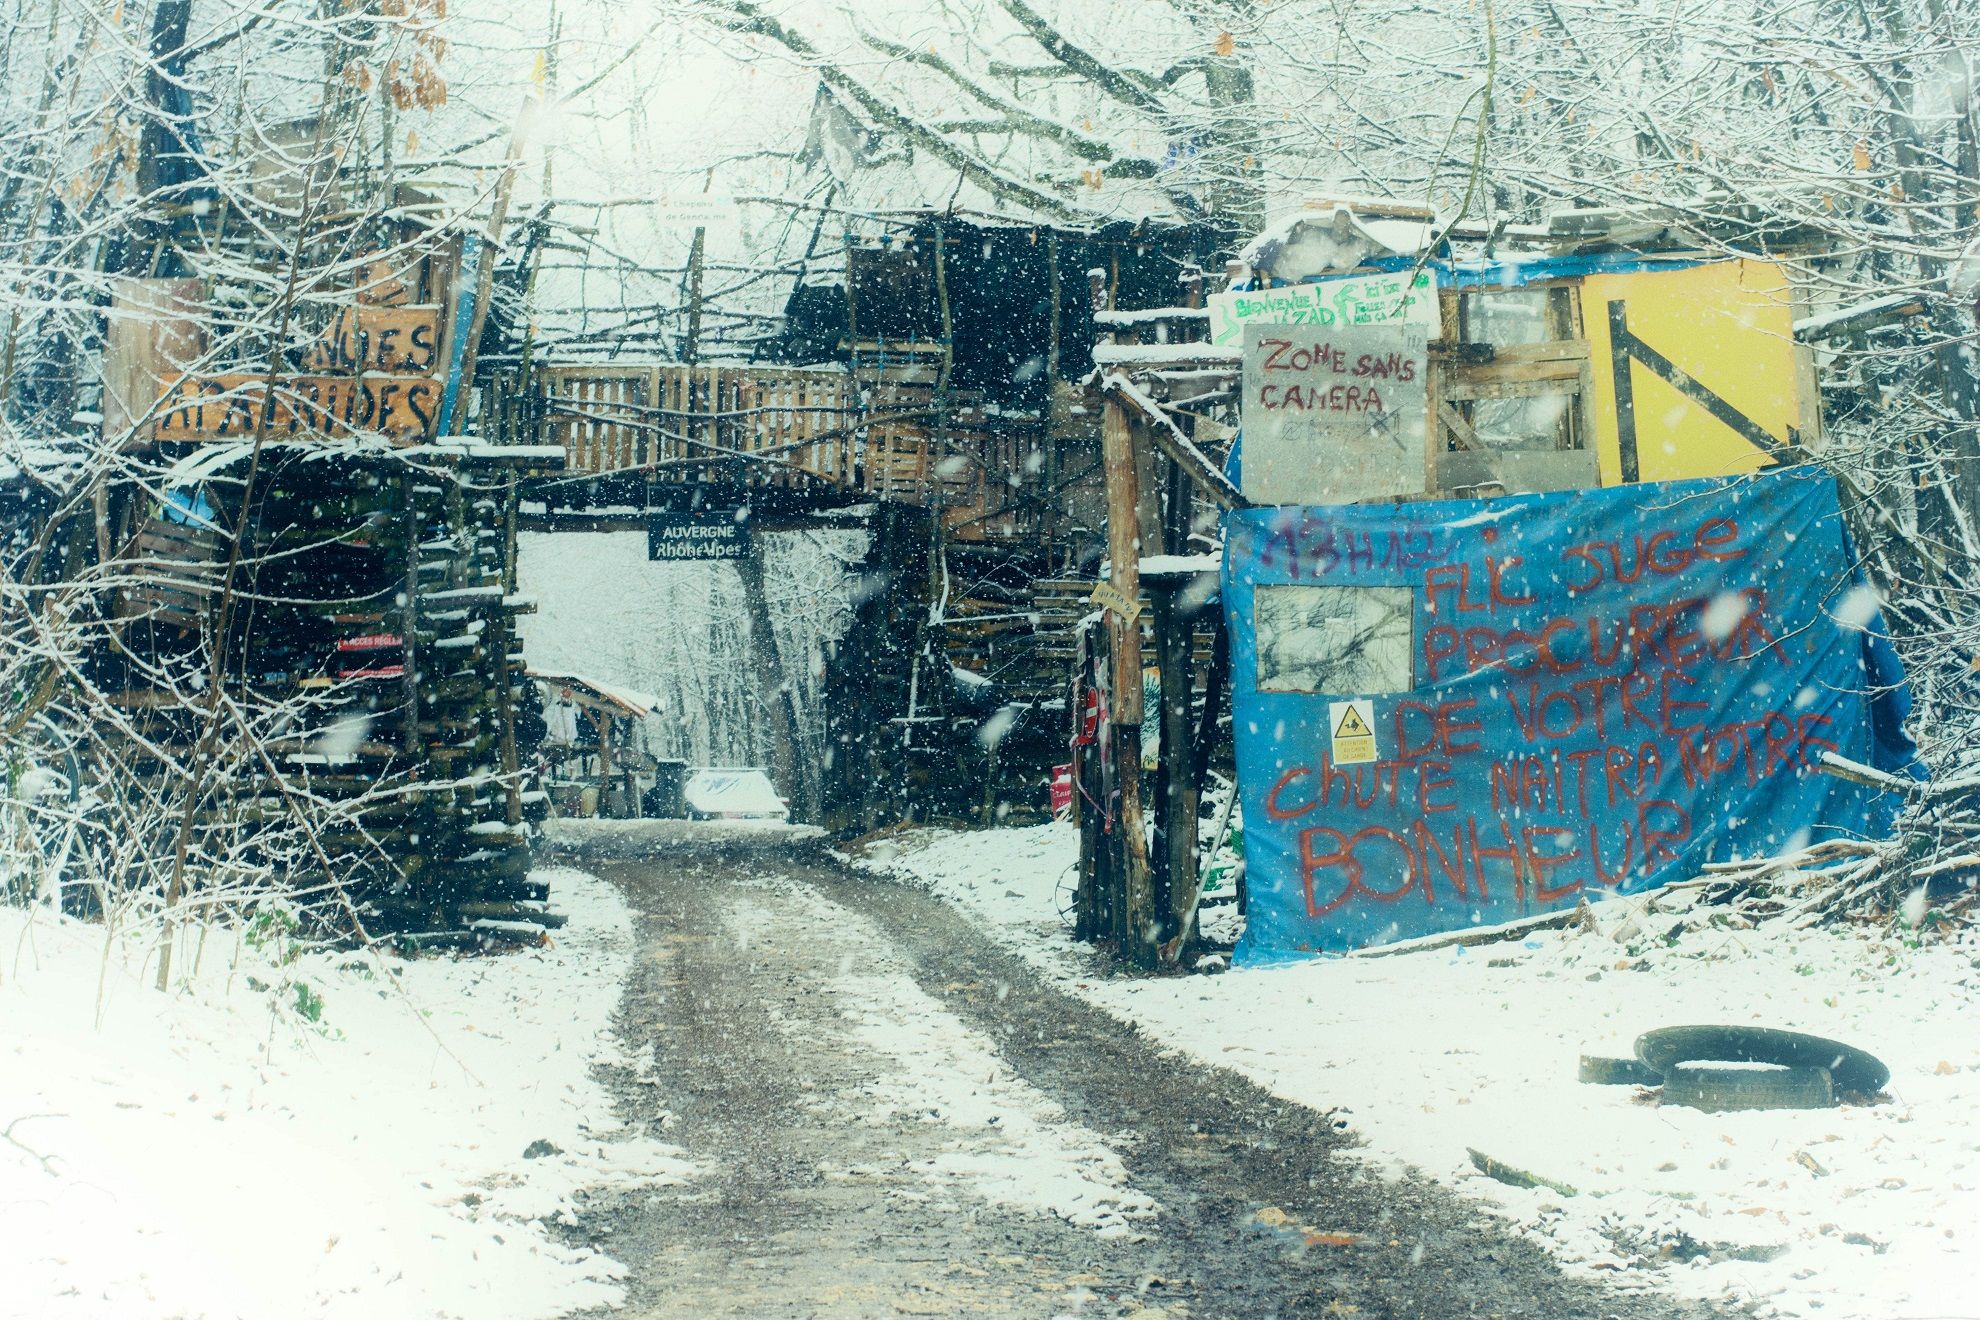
1373 299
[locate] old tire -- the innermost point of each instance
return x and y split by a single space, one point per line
1601 1070
1719 1088
1852 1071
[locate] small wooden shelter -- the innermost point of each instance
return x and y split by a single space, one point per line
602 742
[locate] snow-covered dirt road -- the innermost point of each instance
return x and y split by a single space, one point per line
895 1116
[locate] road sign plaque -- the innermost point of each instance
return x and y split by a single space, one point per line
700 534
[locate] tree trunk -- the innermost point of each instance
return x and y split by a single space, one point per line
162 150
793 778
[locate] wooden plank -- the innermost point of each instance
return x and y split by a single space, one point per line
618 395
152 335
1521 470
168 539
382 284
1515 371
1170 440
1435 411
1555 350
1808 384
632 439
1455 422
1585 429
597 395
583 372
651 442
1462 388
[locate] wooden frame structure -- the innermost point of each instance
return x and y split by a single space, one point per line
384 581
613 716
1137 892
1475 369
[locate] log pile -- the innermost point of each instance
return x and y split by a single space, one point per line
375 600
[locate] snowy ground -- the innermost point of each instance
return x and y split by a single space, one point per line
213 1154
1870 1211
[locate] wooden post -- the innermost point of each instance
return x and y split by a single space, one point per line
942 307
855 719
697 263
1142 930
1085 897
410 529
1175 629
500 631
1162 624
484 284
1114 923
1049 519
99 503
604 718
1214 697
1175 818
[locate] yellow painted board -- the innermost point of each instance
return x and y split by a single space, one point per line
1727 328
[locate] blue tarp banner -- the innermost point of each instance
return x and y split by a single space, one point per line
1453 714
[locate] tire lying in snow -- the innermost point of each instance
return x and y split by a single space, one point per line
1719 1088
1599 1070
1852 1071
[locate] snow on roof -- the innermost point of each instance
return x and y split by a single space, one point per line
46 461
634 703
718 792
517 453
1815 327
1146 315
1336 238
1113 355
1178 565
210 461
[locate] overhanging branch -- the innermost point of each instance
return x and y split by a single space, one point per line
750 20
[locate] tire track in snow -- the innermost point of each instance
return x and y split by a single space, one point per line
1005 1140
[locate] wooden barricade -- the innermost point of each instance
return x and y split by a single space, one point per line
597 414
679 420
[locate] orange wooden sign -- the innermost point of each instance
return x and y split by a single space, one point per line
398 340
231 407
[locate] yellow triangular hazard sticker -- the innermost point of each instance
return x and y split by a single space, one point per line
1352 725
